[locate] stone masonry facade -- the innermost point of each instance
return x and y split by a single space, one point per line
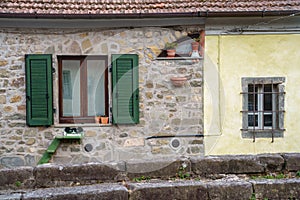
165 110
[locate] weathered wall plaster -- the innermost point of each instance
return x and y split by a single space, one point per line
228 59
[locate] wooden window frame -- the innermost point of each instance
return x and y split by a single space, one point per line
83 118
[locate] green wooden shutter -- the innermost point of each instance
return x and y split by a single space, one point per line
125 89
39 93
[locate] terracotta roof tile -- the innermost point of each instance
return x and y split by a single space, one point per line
142 6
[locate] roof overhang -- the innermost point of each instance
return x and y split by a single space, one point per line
35 20
140 15
98 23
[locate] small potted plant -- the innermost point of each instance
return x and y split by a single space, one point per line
104 119
196 43
171 49
195 47
97 118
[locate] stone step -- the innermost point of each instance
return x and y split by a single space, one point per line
228 188
97 191
55 175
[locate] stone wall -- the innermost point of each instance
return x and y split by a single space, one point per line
164 109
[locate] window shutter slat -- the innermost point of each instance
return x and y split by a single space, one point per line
125 89
39 107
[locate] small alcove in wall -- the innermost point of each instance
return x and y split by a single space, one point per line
184 48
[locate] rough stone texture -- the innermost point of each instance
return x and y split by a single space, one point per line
271 162
277 189
188 190
163 168
292 161
15 196
49 175
17 178
231 186
94 192
12 161
233 189
164 109
226 165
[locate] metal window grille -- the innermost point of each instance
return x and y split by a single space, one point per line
263 111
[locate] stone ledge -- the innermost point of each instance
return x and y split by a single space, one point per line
238 164
105 191
229 189
272 162
161 168
276 189
292 161
53 175
169 190
234 188
17 178
50 175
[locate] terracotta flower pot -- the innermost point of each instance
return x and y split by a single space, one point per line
97 119
104 120
195 46
178 81
171 53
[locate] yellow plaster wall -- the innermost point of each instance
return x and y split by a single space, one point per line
228 58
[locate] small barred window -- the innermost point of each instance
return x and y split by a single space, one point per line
263 107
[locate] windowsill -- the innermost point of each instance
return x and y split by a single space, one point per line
179 58
267 133
81 125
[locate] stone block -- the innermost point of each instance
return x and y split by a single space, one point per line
3 63
18 82
12 161
92 192
195 149
17 178
2 99
86 44
134 142
187 190
15 99
229 164
161 150
74 48
8 109
271 162
13 125
90 133
122 154
49 175
220 190
196 83
149 84
156 168
292 161
30 141
276 188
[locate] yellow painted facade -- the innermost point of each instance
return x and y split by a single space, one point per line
228 58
